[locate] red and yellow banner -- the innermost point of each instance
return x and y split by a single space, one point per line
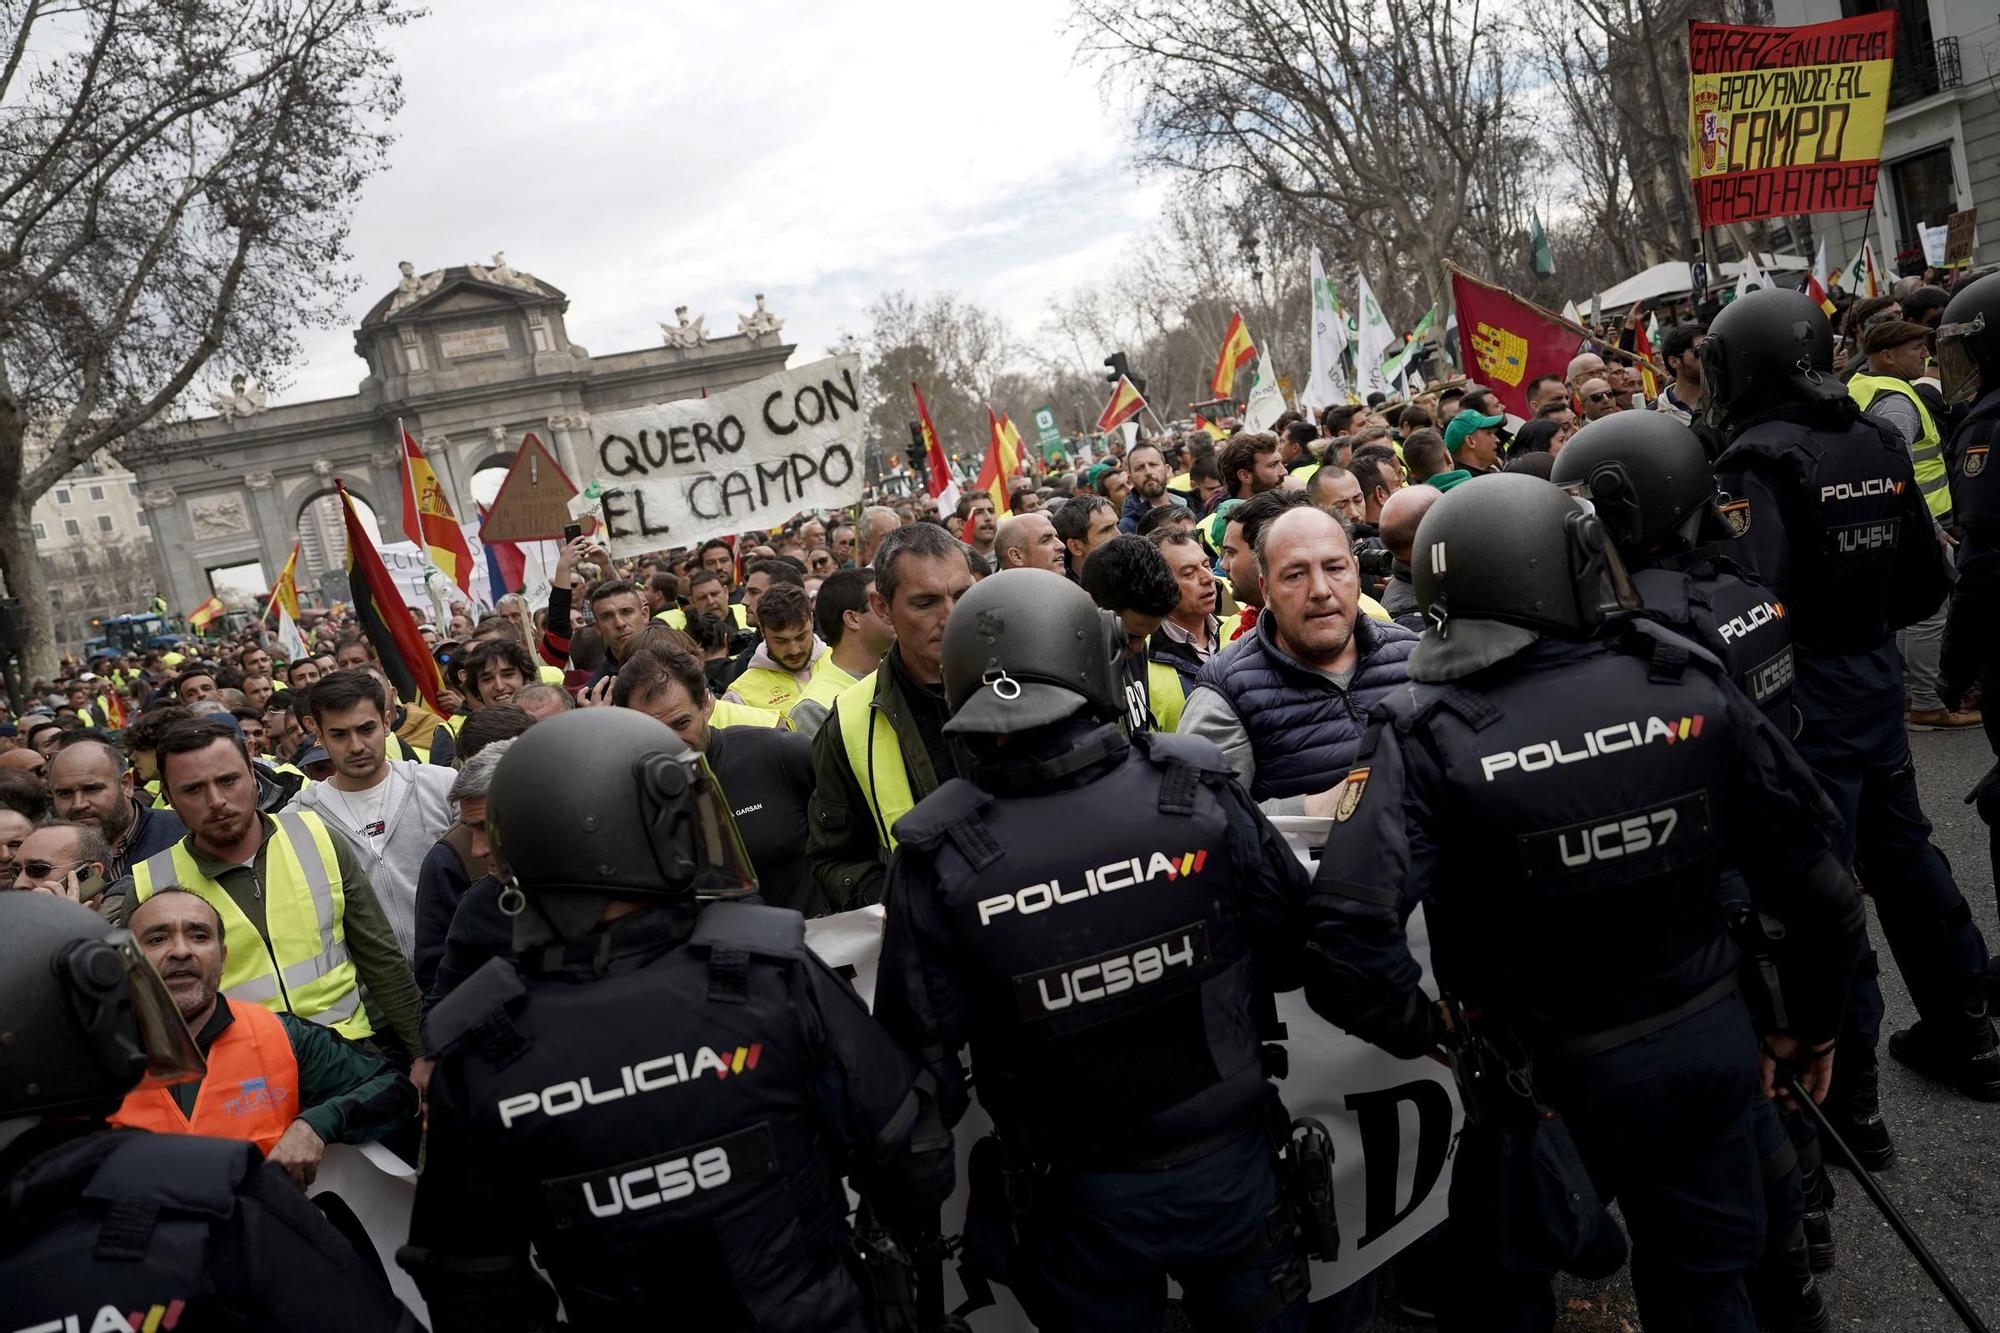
1124 405
1237 352
1783 121
429 522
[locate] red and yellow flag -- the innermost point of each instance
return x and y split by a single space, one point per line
1215 432
204 615
1642 347
383 617
1124 405
429 522
1237 352
943 486
1819 278
285 593
1001 460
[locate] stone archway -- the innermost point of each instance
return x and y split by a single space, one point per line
322 536
483 481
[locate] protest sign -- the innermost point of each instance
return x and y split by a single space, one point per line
747 459
1783 121
1960 237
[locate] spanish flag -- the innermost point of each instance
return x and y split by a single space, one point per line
1642 347
1214 431
204 615
383 617
429 522
1124 405
943 486
1001 459
1817 280
1237 352
284 606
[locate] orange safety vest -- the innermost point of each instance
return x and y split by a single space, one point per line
251 1090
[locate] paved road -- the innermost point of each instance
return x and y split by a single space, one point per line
1946 1178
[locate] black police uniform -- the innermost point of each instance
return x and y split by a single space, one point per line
1563 817
119 1228
1972 633
1097 919
665 1109
1706 597
1838 530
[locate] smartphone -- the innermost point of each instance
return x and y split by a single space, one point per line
88 885
571 531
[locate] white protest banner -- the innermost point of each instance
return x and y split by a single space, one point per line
746 459
1393 1121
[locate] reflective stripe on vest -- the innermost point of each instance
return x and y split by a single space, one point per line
301 963
875 758
1927 453
250 1091
1164 695
729 713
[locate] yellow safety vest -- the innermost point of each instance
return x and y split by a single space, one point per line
1164 696
544 674
729 713
875 758
1927 452
300 966
676 618
420 753
825 686
764 687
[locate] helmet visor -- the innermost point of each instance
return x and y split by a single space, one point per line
1958 369
722 867
171 1053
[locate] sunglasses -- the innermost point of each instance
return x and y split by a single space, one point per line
1604 396
48 869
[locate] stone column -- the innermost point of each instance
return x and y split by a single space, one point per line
274 534
560 427
173 543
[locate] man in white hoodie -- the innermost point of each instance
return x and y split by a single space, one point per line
787 655
391 812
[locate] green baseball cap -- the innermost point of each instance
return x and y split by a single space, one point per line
1461 426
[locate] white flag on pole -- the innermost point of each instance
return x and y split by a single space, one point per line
1327 384
1266 403
1374 340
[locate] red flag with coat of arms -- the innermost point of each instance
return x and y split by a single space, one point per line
1505 343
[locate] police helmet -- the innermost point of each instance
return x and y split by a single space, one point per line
1502 560
1649 480
1968 341
84 1019
608 803
1026 648
1771 346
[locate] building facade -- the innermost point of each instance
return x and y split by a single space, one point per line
467 360
1941 142
96 545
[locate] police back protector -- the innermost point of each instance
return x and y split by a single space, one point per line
1576 898
1743 623
1847 495
1107 975
663 1126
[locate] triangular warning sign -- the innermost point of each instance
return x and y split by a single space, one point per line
533 503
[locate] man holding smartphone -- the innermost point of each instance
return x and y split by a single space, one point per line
67 861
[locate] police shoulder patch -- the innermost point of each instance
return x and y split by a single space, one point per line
1737 514
1350 795
1975 460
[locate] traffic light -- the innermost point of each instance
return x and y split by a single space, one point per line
1120 368
919 457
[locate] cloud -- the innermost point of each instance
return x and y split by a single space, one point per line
641 157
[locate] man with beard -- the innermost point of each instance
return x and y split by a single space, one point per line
303 928
318 1088
391 812
1250 465
1147 467
91 783
1288 705
981 527
786 655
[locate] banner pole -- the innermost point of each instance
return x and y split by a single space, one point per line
1578 329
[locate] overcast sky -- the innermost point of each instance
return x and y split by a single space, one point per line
642 156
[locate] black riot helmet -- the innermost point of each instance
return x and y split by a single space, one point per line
1648 479
1503 560
607 804
84 1019
1025 648
1769 347
1968 341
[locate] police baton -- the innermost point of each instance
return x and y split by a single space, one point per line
1913 1242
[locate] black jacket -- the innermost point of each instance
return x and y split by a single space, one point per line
767 774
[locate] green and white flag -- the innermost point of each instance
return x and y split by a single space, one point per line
1399 361
1538 241
1374 340
1328 383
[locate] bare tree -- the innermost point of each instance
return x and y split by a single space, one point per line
951 347
175 183
1375 119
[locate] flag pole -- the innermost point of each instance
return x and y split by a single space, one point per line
1570 324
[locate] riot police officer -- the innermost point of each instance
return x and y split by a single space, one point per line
102 1226
1096 915
663 1089
1968 353
1650 482
1648 478
1835 525
1559 787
